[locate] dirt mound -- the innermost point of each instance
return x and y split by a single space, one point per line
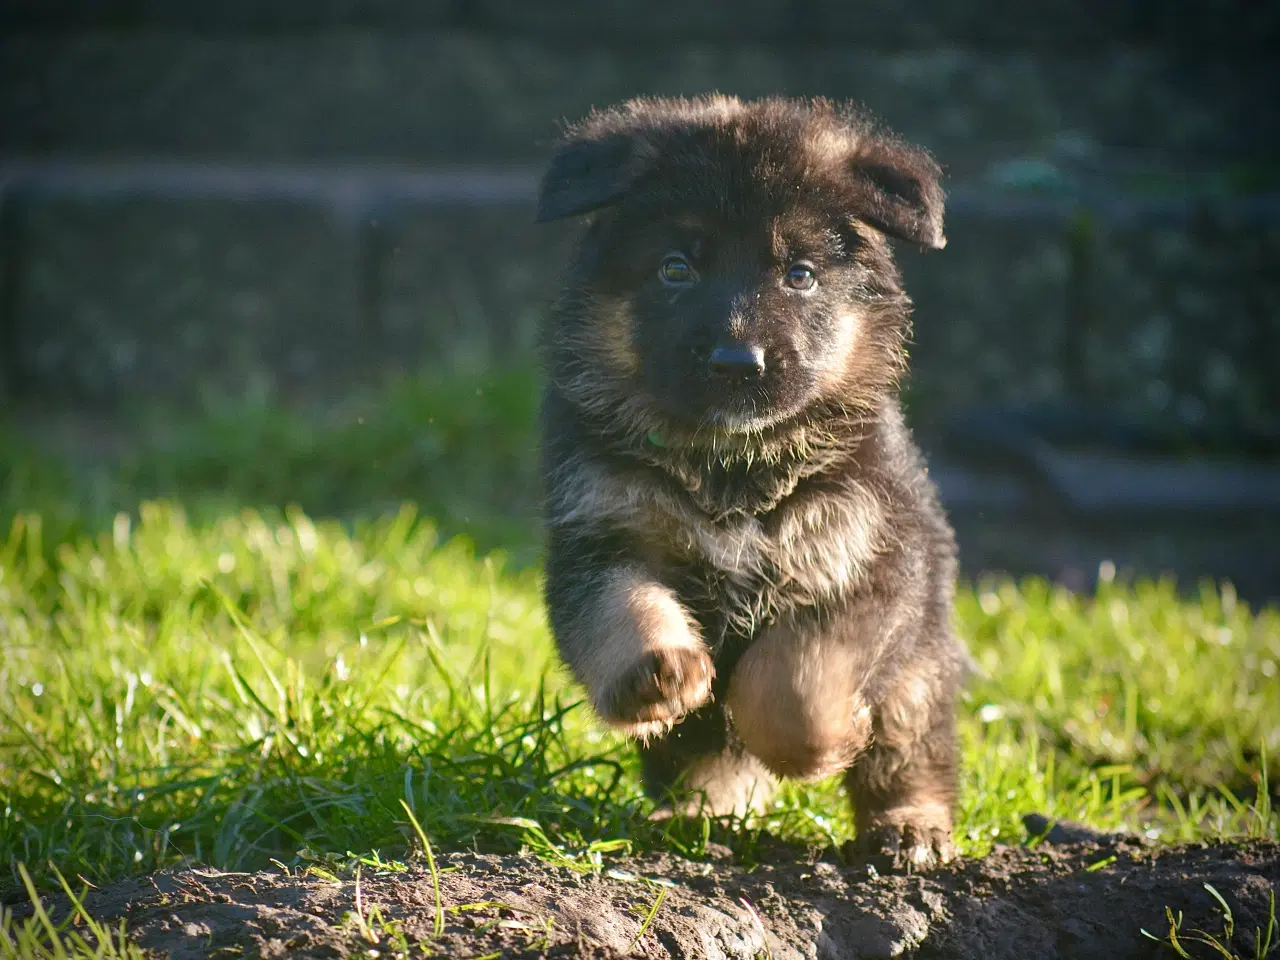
1087 900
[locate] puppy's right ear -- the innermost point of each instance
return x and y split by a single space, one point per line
586 175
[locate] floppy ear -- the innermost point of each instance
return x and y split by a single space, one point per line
585 175
901 193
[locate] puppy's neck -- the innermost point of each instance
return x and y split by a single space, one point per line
755 475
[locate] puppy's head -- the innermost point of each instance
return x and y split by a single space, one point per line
736 273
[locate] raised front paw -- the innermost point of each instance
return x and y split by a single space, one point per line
908 845
658 690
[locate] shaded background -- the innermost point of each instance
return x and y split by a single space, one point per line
303 196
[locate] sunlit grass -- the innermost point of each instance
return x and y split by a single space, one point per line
197 679
270 688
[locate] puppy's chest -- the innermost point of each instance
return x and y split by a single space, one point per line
740 549
809 549
816 543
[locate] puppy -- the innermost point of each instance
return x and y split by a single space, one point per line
748 568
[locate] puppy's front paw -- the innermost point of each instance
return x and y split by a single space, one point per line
658 690
908 845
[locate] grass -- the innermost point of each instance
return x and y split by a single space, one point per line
1262 941
37 937
463 446
271 658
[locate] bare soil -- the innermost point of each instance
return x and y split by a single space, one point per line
1086 899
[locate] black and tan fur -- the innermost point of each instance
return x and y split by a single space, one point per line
748 569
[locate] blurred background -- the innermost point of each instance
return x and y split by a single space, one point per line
270 251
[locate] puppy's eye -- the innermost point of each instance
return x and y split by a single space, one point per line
676 271
802 276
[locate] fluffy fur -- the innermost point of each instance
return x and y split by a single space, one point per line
748 567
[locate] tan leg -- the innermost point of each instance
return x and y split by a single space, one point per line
795 700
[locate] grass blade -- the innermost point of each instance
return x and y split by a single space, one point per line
431 865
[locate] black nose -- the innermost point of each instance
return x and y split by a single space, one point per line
737 360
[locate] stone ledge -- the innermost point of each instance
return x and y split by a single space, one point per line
119 279
118 299
361 190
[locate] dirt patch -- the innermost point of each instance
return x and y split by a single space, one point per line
1087 900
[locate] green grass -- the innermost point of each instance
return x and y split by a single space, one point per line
463 446
216 675
38 937
1261 944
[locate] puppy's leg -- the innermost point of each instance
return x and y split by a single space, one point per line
627 639
795 699
701 768
904 789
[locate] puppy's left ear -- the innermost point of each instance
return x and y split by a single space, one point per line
900 192
587 174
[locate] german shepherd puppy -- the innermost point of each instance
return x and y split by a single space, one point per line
748 568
